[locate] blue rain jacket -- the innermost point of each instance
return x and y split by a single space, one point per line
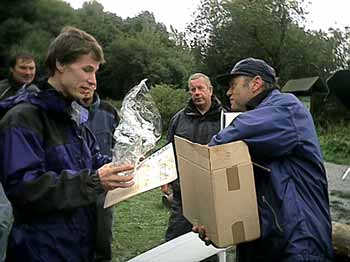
48 166
292 195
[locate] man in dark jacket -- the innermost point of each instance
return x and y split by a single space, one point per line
291 189
103 119
198 122
50 165
22 73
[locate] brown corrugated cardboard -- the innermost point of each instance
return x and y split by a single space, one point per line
218 190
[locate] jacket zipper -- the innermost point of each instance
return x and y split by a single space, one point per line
274 214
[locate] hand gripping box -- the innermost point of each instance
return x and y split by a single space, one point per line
218 190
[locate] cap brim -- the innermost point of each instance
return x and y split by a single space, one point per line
224 79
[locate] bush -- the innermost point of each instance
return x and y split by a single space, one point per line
169 101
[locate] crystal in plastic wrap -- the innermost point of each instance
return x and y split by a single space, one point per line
139 128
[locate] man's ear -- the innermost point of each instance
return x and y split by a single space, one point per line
257 84
60 67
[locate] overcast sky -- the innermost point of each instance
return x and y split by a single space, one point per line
323 13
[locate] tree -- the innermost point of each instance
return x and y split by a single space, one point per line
135 48
268 29
30 26
144 51
200 32
104 26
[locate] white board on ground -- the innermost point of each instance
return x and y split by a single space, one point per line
186 248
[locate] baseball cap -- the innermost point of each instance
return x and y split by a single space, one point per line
249 67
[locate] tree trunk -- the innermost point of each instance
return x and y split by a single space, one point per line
341 241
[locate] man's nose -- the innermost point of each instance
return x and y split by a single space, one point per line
92 81
196 91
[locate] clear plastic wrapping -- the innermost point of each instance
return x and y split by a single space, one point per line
139 128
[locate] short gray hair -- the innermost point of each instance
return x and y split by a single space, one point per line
200 75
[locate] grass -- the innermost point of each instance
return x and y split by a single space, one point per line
335 143
140 225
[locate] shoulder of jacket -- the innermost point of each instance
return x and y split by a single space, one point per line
178 115
3 81
4 84
32 88
23 114
25 108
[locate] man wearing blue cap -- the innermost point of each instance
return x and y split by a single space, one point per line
291 184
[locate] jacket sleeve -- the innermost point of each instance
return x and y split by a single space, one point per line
6 221
170 137
268 131
30 186
98 159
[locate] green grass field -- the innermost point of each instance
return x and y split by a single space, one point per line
335 143
140 224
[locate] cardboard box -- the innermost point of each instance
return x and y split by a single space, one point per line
218 190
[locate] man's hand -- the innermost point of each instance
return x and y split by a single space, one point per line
111 178
165 189
202 234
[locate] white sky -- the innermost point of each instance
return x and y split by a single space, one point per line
323 13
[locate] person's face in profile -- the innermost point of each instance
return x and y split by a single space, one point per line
240 92
24 71
78 79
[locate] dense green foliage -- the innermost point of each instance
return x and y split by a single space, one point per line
169 101
225 31
139 47
135 48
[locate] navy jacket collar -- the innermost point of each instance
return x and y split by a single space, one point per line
255 101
